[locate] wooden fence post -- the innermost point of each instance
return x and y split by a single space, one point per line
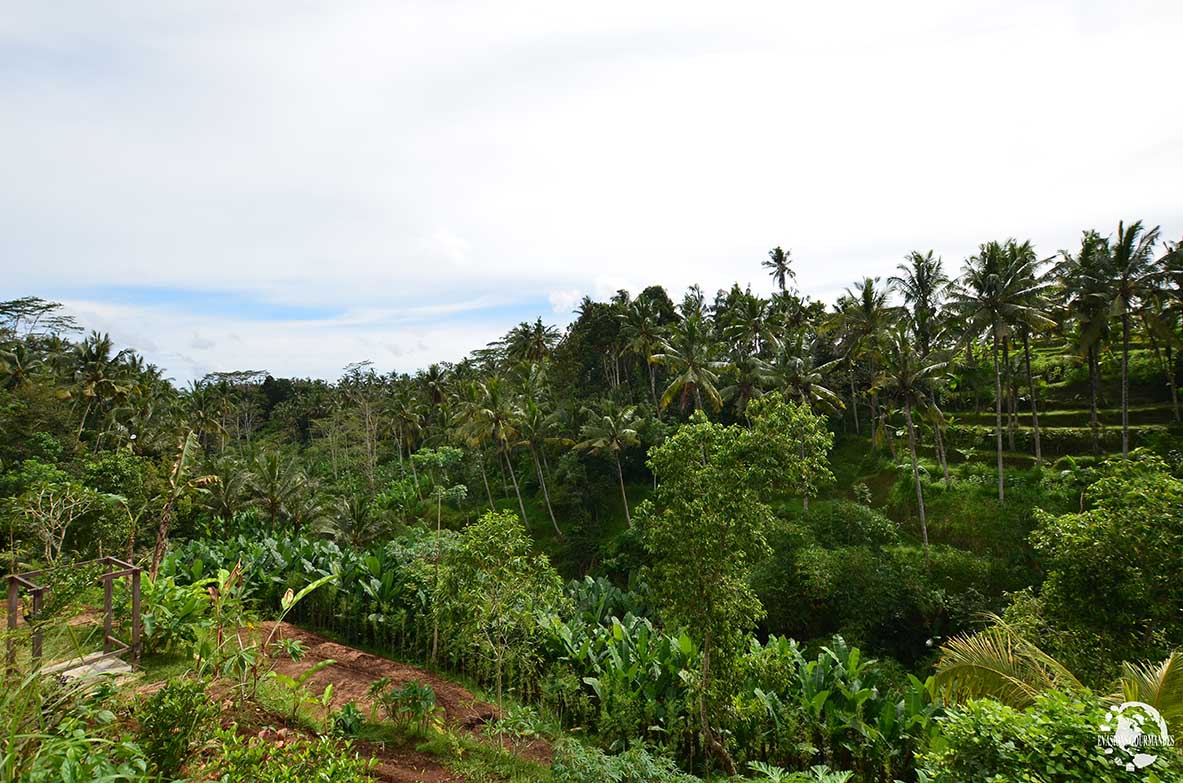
135 616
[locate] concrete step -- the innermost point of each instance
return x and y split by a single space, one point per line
89 667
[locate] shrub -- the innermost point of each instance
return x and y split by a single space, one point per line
1053 741
347 721
257 760
171 720
842 523
576 763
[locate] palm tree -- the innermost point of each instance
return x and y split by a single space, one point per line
907 377
1084 279
643 335
495 418
98 373
865 315
533 429
779 266
921 282
1134 269
799 378
275 483
611 429
992 294
749 376
689 351
1024 267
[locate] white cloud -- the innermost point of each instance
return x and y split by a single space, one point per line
403 162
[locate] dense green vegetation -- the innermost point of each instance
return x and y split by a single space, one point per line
930 532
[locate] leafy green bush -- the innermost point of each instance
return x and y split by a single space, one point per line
576 763
1053 741
838 523
1114 589
347 721
171 720
257 760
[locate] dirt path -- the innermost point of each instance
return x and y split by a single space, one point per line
355 671
353 674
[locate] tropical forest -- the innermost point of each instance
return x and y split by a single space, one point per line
930 531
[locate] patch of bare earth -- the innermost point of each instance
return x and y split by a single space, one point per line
351 676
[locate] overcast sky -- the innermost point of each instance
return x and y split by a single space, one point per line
294 186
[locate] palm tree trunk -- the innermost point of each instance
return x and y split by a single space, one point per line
1010 394
653 384
517 490
1034 397
1171 381
940 443
916 478
998 420
1093 380
545 492
623 495
854 402
485 477
1125 384
161 538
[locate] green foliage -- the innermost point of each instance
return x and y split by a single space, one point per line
258 760
347 721
171 721
1052 741
412 706
1114 586
577 763
493 590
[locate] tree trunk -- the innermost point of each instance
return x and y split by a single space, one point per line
545 492
998 420
623 495
652 383
161 538
517 490
1008 382
1125 384
710 741
854 403
1093 381
1034 397
485 478
941 455
1171 381
916 477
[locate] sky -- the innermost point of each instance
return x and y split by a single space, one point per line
294 186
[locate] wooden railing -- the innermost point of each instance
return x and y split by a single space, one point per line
112 645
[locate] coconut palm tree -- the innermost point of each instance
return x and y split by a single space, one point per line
1025 269
864 316
611 429
993 293
1084 279
275 483
907 378
495 418
534 426
798 377
98 373
1134 270
690 351
921 282
779 266
643 336
748 376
